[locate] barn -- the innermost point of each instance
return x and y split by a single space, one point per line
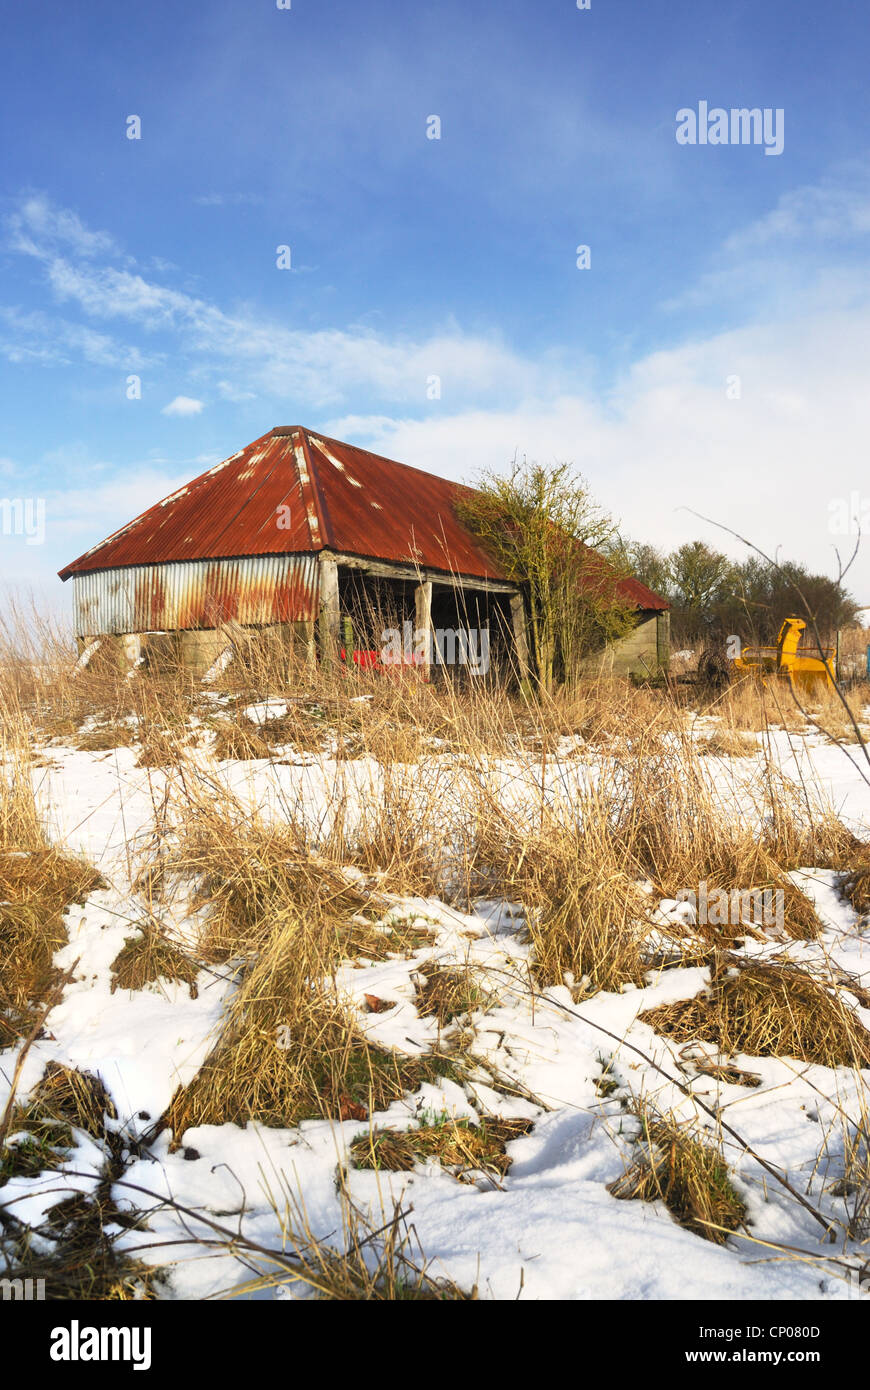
323 547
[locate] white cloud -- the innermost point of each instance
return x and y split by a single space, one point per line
183 405
801 254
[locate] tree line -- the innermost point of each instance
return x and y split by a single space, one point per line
548 534
709 591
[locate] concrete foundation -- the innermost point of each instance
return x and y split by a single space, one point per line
118 653
199 649
279 646
196 650
161 651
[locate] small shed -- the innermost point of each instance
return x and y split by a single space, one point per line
325 546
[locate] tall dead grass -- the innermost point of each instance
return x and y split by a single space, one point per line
475 791
37 883
290 1047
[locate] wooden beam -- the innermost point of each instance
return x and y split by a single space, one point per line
521 640
380 569
329 621
663 639
423 619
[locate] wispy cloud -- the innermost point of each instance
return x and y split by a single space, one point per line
36 336
265 357
38 223
800 252
836 209
673 437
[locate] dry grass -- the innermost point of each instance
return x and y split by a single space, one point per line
855 1184
102 737
36 887
575 860
768 1010
463 1147
72 1097
856 886
687 1172
238 741
20 823
679 832
290 1048
161 747
394 836
728 743
40 1132
752 706
76 1253
370 1261
149 957
34 1145
407 934
587 915
250 875
821 841
574 851
448 992
78 1257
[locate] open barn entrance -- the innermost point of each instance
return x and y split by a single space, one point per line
452 632
371 608
472 635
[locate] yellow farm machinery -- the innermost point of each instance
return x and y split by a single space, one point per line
804 666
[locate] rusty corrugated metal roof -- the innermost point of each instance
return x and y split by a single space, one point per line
294 490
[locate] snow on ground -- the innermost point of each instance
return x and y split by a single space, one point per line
550 1228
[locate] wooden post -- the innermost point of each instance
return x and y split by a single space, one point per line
423 621
521 641
329 623
663 640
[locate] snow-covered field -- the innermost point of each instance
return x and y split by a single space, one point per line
549 1228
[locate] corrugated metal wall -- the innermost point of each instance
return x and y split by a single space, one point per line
251 590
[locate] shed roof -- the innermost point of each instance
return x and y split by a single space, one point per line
293 490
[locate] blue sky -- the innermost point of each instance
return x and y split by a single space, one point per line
414 258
